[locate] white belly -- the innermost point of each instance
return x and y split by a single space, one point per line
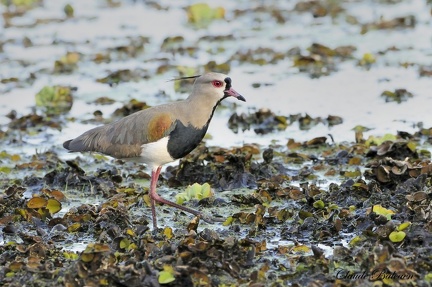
156 154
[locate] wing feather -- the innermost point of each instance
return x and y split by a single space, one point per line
125 137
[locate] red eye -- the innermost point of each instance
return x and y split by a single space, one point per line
217 84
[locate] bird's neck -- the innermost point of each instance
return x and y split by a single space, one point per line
190 130
200 112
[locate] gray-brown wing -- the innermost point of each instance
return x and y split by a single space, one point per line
124 138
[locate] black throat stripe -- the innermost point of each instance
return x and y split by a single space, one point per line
228 83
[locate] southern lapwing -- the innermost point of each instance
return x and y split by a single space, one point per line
161 134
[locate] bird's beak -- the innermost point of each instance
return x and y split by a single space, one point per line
232 93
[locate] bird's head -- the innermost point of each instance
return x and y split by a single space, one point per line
220 85
214 87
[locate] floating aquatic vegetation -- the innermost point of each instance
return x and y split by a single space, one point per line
201 14
133 48
225 170
215 67
425 71
259 56
67 63
22 3
132 107
69 10
367 60
55 100
104 101
123 76
402 22
34 123
264 121
321 60
319 8
194 191
398 96
276 205
324 51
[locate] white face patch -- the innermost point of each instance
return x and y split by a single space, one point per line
156 154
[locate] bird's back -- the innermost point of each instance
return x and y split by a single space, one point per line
124 138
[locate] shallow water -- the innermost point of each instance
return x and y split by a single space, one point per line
351 92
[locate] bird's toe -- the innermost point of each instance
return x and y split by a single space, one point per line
210 219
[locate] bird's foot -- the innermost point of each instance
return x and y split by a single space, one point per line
158 233
210 219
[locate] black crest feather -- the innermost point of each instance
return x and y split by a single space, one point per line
184 78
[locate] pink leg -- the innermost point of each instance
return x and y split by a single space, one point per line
154 197
154 179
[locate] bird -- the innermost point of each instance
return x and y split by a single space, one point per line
161 134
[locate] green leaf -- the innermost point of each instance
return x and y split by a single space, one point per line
367 59
355 240
168 233
354 173
206 190
68 10
194 191
228 221
56 99
412 146
202 14
379 140
397 236
5 169
37 202
53 205
87 257
191 190
304 214
404 226
124 243
181 197
301 249
378 209
319 204
359 128
69 255
165 277
74 227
